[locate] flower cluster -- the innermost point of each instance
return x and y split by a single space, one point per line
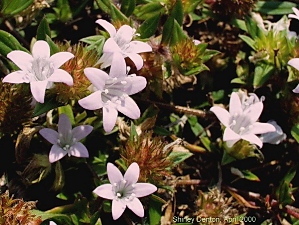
241 120
111 91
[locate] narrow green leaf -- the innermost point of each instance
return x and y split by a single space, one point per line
155 212
9 43
261 74
149 10
167 31
275 7
64 10
127 7
250 176
117 15
177 34
67 110
177 12
177 157
295 132
43 30
53 47
248 41
45 107
149 26
12 7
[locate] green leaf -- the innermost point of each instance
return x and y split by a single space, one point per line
249 175
295 132
127 7
262 73
149 10
117 15
178 156
149 26
284 190
155 211
12 7
275 7
248 41
95 42
61 218
177 12
239 23
67 110
104 5
196 128
53 47
41 108
43 30
63 10
9 43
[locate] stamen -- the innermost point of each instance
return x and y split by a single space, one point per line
106 91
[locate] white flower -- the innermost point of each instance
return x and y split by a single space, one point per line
240 121
121 41
295 63
273 137
112 92
296 15
52 223
66 140
39 69
124 191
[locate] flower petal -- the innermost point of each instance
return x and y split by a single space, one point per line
229 135
22 59
60 58
294 63
16 77
124 35
107 26
254 111
144 189
118 66
105 60
138 47
235 105
41 49
137 60
92 101
60 75
222 114
118 208
109 117
132 173
105 191
135 84
79 150
136 206
56 153
260 128
81 131
296 89
97 77
38 89
64 125
252 139
129 108
111 46
114 175
50 135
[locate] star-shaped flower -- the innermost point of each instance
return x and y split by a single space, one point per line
66 140
39 69
121 41
124 191
112 92
240 121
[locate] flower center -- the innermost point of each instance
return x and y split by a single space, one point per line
41 69
114 91
124 190
66 141
240 123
